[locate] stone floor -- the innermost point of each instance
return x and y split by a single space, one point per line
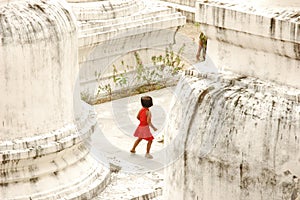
133 176
129 186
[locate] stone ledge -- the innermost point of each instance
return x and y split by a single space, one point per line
156 193
83 179
99 23
266 22
177 6
229 78
187 8
240 133
253 41
128 23
93 40
105 9
48 17
41 145
133 186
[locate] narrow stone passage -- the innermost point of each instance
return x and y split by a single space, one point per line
132 175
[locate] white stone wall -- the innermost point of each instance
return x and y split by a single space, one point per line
236 135
108 9
190 3
257 41
106 35
234 138
44 125
186 7
36 85
6 1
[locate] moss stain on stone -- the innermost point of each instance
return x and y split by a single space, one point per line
272 26
34 180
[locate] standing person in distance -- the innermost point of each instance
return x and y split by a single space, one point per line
201 52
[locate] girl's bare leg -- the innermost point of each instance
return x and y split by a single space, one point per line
148 155
149 146
135 145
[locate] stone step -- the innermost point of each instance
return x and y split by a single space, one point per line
106 9
92 39
131 181
183 7
148 18
132 186
141 15
128 23
172 20
90 178
51 142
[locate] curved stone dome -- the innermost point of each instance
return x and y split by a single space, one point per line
234 137
43 154
38 68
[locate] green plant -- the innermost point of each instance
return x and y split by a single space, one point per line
149 75
145 78
120 79
106 88
170 59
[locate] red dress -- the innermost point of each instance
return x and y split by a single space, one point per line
143 130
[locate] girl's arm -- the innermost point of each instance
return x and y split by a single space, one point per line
149 120
138 115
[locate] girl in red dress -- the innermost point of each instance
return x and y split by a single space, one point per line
143 130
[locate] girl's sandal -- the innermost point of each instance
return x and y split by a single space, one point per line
148 155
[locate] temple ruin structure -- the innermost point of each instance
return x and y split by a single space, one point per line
44 124
237 131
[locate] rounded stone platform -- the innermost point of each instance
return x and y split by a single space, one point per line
44 124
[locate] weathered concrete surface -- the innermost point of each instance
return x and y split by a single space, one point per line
138 177
34 48
286 4
6 1
186 7
253 39
43 122
190 3
108 30
238 134
238 138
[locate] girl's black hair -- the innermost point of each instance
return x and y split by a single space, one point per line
146 101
